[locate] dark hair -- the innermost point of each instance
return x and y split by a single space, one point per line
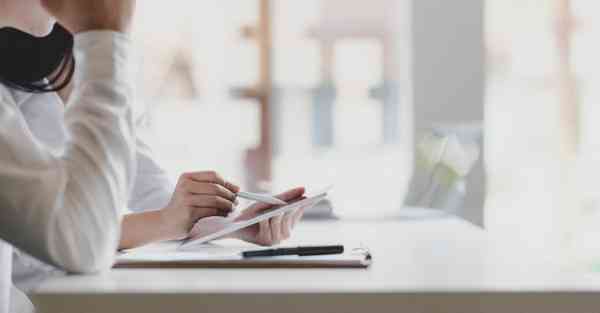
36 64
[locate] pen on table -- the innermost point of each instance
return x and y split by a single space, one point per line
300 251
261 198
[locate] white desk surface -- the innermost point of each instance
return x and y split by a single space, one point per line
436 265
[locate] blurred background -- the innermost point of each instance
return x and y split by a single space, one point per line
498 96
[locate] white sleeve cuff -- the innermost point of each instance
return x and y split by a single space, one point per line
103 55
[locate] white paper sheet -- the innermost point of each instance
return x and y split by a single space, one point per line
214 255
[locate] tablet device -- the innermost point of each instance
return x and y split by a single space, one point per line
264 215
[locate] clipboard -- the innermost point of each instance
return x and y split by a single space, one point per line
166 255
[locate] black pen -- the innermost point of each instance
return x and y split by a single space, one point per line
301 251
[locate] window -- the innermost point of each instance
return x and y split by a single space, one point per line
541 122
275 94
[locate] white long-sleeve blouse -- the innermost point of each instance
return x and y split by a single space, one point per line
152 187
63 207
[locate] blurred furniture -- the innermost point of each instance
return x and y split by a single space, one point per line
447 165
442 265
340 20
343 20
258 160
448 80
569 89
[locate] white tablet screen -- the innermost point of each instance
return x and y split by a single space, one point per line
305 203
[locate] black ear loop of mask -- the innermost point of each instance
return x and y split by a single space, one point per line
36 64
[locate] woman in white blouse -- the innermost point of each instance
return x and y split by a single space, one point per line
70 163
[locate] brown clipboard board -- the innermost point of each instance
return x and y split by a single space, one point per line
355 258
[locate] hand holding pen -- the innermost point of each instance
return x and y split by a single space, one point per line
198 195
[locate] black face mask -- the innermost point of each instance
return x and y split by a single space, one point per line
34 64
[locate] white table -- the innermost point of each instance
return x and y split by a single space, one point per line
438 265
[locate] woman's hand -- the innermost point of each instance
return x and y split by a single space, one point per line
197 195
85 15
274 230
265 233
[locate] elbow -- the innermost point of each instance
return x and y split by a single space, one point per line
95 262
85 250
80 266
84 226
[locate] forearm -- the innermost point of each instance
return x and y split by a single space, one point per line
143 228
65 209
139 229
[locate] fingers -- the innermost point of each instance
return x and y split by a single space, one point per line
264 233
289 222
207 190
211 201
212 177
207 226
202 188
296 216
286 226
290 195
231 186
198 213
276 229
